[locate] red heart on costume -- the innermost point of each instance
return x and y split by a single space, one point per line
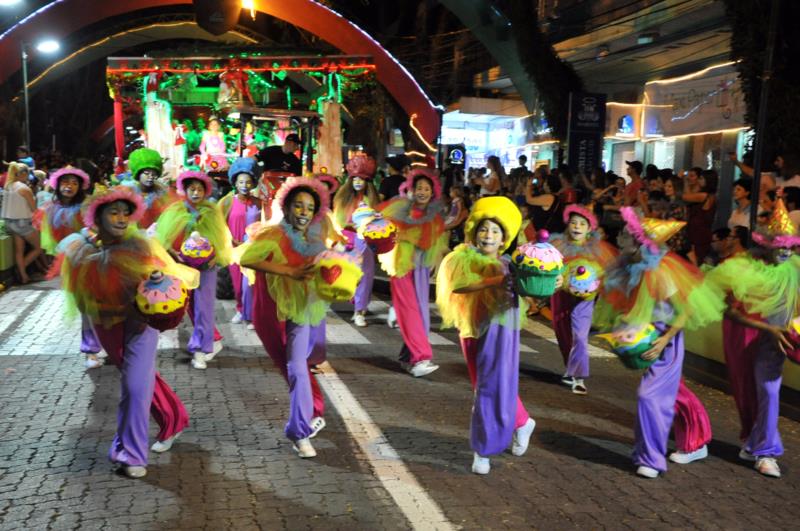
330 274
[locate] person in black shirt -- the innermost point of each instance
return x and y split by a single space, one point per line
399 165
282 158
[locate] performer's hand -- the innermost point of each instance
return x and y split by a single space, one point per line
559 281
176 255
780 337
302 273
658 347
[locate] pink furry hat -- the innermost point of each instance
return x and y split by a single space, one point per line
69 170
330 180
431 175
361 166
109 195
194 174
583 212
316 185
778 242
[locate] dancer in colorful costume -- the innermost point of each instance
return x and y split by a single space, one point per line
572 315
421 243
146 167
474 294
358 190
58 219
101 269
196 214
649 285
289 317
240 209
770 296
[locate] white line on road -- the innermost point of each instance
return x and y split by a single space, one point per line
420 509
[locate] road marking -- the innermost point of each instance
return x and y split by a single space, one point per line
419 508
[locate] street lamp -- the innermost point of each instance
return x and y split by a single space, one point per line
45 46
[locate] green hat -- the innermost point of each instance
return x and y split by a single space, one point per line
144 159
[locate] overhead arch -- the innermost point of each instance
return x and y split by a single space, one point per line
64 17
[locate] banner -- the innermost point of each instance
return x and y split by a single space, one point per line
587 123
708 101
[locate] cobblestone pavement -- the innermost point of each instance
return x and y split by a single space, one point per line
394 455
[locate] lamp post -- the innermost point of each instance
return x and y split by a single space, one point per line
46 46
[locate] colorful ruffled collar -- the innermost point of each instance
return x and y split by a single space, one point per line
311 245
432 210
626 275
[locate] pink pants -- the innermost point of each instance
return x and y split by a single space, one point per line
691 425
410 300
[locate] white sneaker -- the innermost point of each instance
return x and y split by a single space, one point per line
744 455
199 360
304 449
391 319
480 465
237 318
422 368
102 354
317 424
578 387
684 458
134 471
522 437
163 446
768 466
93 362
251 326
217 348
647 472
569 381
359 320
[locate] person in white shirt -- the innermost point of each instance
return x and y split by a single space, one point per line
17 213
741 195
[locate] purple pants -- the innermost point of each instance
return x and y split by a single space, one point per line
138 379
301 341
364 289
89 342
242 292
203 298
656 407
572 321
410 298
764 439
493 365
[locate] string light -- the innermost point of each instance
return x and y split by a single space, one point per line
419 135
250 4
689 76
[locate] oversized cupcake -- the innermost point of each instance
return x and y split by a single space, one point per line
583 278
629 342
337 276
196 251
379 233
162 300
537 267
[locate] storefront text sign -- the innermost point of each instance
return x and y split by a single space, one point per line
587 123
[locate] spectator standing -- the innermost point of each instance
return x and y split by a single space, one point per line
741 196
399 166
492 183
17 211
520 173
631 195
676 209
702 207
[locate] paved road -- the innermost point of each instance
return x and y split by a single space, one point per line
394 455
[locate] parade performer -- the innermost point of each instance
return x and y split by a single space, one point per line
648 285
146 166
59 218
197 215
358 190
474 294
572 315
212 143
770 294
421 243
289 317
240 209
101 269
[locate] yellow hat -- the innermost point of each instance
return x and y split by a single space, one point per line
651 232
781 232
499 209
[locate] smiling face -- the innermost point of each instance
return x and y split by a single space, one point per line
489 238
244 183
114 219
195 191
358 184
68 186
423 192
300 210
669 189
147 177
578 228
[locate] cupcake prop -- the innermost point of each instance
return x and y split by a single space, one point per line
630 342
537 267
794 336
379 233
583 279
162 300
337 276
196 251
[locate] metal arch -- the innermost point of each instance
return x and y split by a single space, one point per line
486 22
